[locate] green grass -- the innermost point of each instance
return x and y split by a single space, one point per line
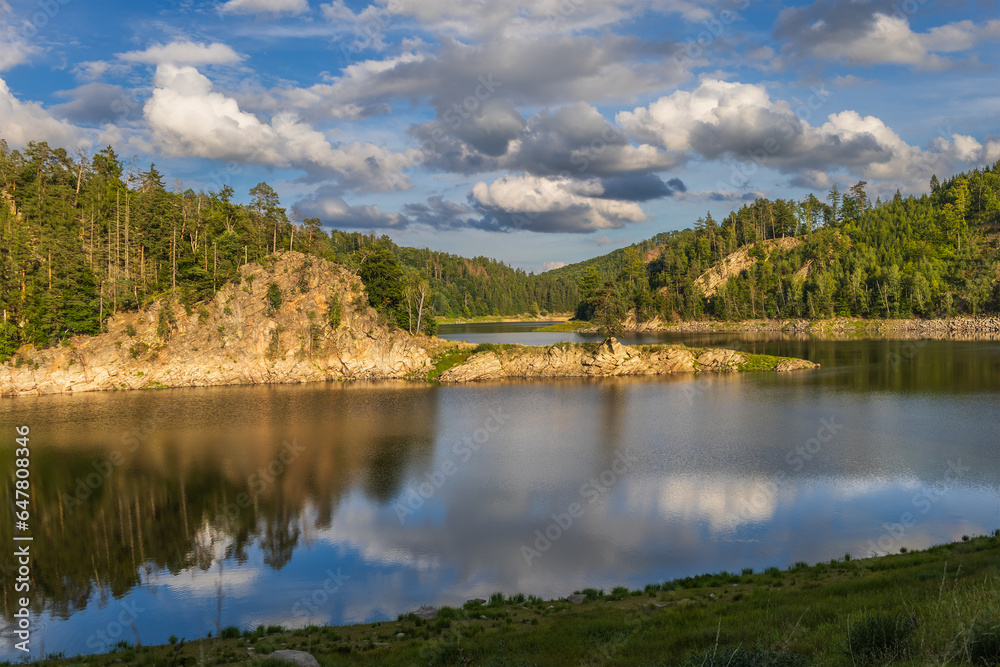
446 360
569 325
935 607
759 362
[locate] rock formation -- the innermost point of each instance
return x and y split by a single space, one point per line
610 358
237 338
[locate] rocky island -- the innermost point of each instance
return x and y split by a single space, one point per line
297 318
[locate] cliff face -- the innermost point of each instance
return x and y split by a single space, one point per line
611 358
238 338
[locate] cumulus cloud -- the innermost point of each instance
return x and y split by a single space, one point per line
550 205
22 122
551 266
187 116
13 50
574 141
873 33
98 104
293 7
441 214
558 70
333 210
738 121
184 53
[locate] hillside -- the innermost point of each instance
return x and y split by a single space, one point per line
292 319
932 256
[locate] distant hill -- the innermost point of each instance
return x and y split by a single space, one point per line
936 255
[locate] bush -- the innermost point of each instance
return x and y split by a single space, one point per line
129 330
880 638
273 297
232 632
165 321
333 314
984 644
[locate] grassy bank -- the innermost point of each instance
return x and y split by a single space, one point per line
487 319
935 607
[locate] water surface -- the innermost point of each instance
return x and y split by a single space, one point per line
179 512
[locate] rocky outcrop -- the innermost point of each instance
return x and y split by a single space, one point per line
737 262
725 360
608 359
237 338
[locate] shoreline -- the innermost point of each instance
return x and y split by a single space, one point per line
293 320
982 328
807 613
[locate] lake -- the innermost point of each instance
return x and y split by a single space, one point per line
180 512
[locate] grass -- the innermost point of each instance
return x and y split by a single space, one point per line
940 606
568 325
759 362
446 360
490 319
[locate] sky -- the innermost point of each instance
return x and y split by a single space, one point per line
536 133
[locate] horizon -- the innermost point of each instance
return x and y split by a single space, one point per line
538 136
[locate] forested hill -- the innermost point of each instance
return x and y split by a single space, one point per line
83 237
932 255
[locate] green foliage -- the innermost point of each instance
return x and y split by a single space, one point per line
740 657
927 256
9 340
379 271
273 297
166 321
448 359
880 638
984 644
129 330
333 313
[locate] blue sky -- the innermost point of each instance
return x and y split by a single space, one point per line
539 133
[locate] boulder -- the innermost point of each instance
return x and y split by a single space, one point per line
794 365
427 613
721 360
294 658
481 366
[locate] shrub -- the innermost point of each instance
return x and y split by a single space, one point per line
880 638
129 330
232 632
165 321
984 644
273 297
333 314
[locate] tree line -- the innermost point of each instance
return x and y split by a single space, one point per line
935 255
83 237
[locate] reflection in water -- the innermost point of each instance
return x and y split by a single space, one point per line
232 506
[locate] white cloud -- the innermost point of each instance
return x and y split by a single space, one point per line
21 122
562 69
551 205
551 266
721 119
874 33
183 53
187 116
265 7
14 50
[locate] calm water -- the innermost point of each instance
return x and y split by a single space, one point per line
182 511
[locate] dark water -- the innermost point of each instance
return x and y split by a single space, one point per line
179 512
